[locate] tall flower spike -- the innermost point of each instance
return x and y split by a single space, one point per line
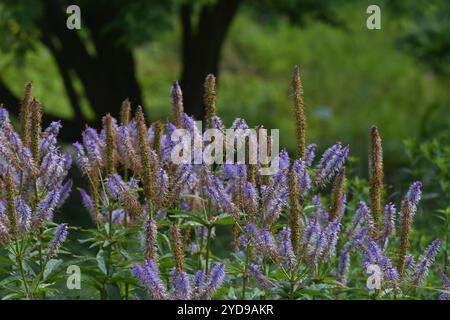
376 178
214 281
177 247
343 267
296 212
180 285
25 117
389 223
309 154
414 193
332 161
158 130
119 190
209 98
125 111
36 118
176 100
110 145
446 286
331 234
150 230
255 271
10 203
57 241
337 196
299 112
148 275
286 250
145 158
407 212
424 264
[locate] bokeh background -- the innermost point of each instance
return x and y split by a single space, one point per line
397 78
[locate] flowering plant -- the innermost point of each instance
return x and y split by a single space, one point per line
195 230
33 183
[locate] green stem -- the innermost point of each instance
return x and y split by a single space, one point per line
125 226
208 245
244 276
110 240
19 259
202 239
109 251
291 291
446 239
41 259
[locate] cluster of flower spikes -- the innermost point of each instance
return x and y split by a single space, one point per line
33 174
256 201
372 237
253 200
143 156
181 285
445 295
258 206
126 157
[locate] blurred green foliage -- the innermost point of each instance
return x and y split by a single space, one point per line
353 77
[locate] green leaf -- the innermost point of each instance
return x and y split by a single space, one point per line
224 219
101 262
113 292
51 265
11 296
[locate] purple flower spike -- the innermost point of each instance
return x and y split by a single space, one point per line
414 193
57 241
424 264
148 276
446 286
24 215
389 223
4 116
286 250
331 236
255 271
332 162
215 280
304 180
217 123
87 200
46 207
310 153
343 267
362 217
199 279
181 288
64 192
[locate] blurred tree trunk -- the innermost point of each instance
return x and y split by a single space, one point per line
105 67
202 44
107 76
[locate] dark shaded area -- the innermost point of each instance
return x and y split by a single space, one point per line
100 56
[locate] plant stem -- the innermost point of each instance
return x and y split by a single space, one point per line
244 276
202 240
208 245
109 250
110 240
19 259
447 223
